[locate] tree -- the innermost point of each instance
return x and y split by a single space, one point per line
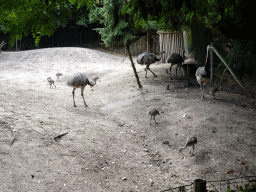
118 27
39 17
231 18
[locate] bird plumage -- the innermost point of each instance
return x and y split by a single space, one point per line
191 141
79 80
202 77
58 75
51 82
147 58
153 112
174 59
203 74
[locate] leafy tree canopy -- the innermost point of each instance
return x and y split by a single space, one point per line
118 27
230 17
39 17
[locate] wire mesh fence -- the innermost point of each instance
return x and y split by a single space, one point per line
241 184
184 188
235 184
239 69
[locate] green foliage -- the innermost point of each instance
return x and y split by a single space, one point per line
2 28
82 16
173 15
229 190
39 17
249 187
182 188
239 56
118 26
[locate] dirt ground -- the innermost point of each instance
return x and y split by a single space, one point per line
98 153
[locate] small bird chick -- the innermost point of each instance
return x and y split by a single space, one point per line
191 141
153 112
213 90
50 81
58 75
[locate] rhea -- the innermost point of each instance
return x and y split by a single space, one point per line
191 141
79 80
153 112
147 58
51 82
58 75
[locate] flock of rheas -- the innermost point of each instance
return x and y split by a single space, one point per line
79 80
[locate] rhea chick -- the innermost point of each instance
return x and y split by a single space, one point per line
153 112
58 75
191 141
50 81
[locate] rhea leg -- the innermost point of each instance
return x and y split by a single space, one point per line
191 154
176 70
152 72
202 89
73 92
171 70
82 94
155 119
54 85
146 72
147 68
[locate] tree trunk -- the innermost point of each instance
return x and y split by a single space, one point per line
147 40
133 66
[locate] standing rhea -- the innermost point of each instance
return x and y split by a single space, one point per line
148 58
79 80
153 112
58 75
174 59
203 75
191 141
50 81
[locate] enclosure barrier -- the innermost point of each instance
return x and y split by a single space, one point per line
225 63
241 184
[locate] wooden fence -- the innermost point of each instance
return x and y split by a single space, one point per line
170 43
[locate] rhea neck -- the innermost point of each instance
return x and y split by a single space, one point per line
160 55
92 82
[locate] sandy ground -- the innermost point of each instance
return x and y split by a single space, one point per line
97 154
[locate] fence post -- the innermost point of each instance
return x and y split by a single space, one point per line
199 185
211 63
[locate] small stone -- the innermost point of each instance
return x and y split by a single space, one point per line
166 142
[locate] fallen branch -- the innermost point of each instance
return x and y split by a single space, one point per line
57 138
13 131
